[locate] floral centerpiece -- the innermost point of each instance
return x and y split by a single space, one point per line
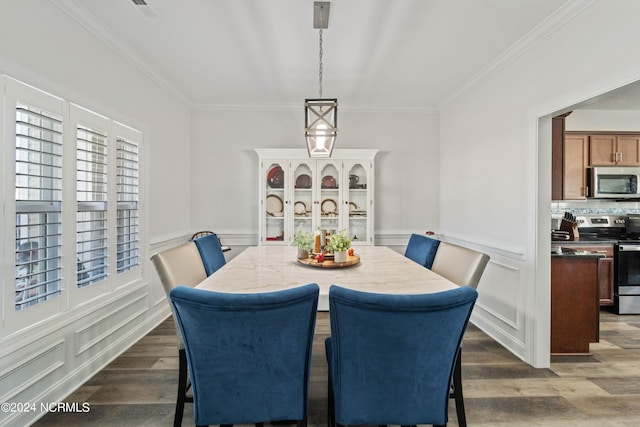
304 241
339 243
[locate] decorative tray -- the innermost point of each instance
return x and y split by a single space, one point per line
329 263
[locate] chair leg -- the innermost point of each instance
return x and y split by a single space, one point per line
457 391
182 387
331 415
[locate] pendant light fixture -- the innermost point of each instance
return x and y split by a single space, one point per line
321 114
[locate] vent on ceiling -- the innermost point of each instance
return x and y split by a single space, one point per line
143 7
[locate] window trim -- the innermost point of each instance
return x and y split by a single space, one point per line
14 93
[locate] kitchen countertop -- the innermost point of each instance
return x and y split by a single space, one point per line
582 242
571 253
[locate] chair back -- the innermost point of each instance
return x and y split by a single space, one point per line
248 354
462 266
179 266
210 252
422 249
391 357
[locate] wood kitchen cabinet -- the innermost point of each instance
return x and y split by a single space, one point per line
575 162
575 314
605 270
557 157
574 152
614 150
569 161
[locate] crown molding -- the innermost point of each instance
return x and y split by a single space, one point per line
556 20
300 107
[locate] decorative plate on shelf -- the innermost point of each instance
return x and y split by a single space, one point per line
329 182
303 181
329 206
299 208
275 177
274 205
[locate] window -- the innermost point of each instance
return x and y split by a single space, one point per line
127 174
38 188
91 188
75 175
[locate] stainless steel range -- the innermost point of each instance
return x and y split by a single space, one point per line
624 231
626 282
597 228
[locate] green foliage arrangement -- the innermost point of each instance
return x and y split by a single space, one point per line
339 242
303 240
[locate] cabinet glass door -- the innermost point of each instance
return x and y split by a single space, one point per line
274 202
303 200
329 195
358 202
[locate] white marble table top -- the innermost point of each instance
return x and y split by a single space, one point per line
271 268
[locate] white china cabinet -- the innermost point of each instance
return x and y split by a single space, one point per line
298 192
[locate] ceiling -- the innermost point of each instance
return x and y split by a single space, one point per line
378 54
625 98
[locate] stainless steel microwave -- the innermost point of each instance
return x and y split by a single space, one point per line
612 182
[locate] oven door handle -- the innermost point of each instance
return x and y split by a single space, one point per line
629 248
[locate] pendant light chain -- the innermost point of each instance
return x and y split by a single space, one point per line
321 66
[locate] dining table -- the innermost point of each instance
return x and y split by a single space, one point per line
272 268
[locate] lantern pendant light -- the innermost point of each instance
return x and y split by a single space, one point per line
321 114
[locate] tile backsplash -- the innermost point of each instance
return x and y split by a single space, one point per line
594 207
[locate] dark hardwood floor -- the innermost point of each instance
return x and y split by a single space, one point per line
602 389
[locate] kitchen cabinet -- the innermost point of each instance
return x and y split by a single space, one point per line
605 270
572 153
557 156
575 312
300 193
575 162
614 150
569 161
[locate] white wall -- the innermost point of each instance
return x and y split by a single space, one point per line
491 195
603 120
225 167
42 46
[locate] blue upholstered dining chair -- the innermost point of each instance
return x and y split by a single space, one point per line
422 249
210 252
249 355
391 357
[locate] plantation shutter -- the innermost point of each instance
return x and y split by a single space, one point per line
91 216
38 179
127 205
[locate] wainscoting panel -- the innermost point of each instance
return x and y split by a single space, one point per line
498 293
46 370
97 334
32 366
